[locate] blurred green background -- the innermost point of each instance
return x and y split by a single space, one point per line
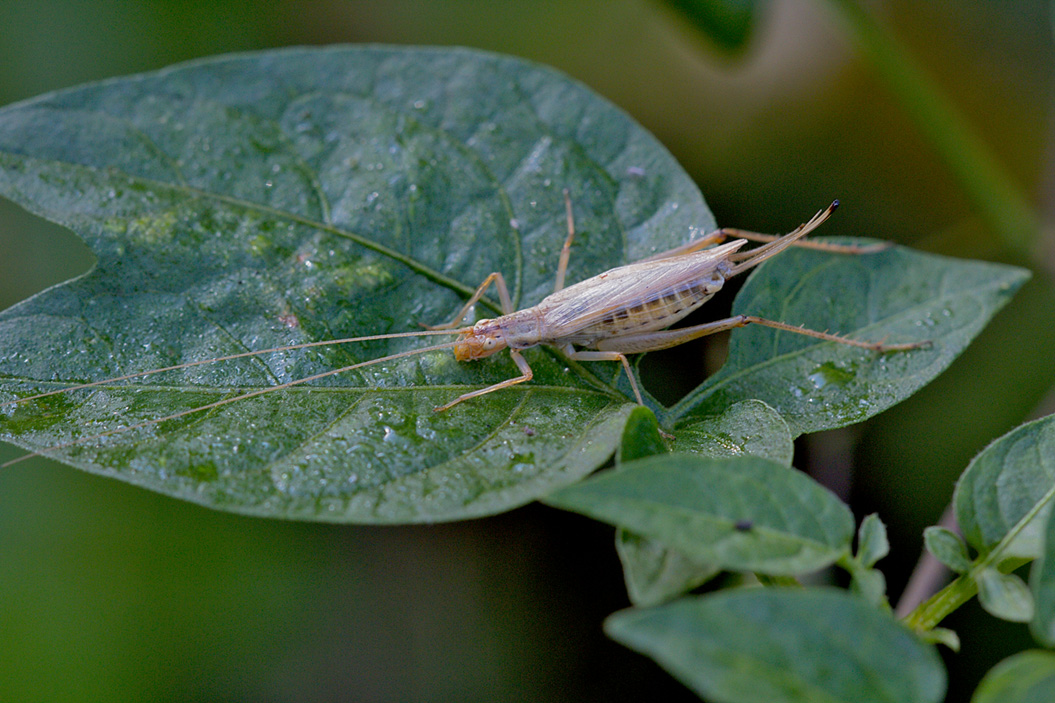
110 593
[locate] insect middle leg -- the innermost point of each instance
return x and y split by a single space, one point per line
580 355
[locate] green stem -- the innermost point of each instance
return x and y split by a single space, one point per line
781 581
999 201
939 606
932 611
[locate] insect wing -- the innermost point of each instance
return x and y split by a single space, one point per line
588 302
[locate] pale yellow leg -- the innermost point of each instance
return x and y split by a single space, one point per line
565 251
654 341
716 237
526 375
808 243
612 356
720 235
609 356
503 297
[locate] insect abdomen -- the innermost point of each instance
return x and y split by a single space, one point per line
654 313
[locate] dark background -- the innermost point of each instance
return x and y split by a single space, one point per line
110 593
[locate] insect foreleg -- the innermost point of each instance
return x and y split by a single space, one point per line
526 375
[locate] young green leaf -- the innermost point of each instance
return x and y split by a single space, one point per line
1042 586
1026 677
872 542
641 436
654 573
1004 596
292 196
747 427
784 646
942 636
947 547
1007 490
742 513
870 584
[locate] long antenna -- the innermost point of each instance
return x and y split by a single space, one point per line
241 355
235 399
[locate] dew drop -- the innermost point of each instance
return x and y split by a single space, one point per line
829 374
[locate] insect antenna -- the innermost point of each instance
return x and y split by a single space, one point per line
240 355
251 394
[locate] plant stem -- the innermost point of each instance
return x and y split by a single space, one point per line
998 199
941 604
928 574
781 581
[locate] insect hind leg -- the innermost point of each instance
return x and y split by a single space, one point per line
664 339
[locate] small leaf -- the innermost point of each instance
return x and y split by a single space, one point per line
872 543
870 584
948 548
943 636
896 295
1026 677
653 572
641 436
700 506
748 427
1004 596
1042 585
784 646
1009 488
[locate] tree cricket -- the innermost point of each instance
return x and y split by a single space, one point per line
625 310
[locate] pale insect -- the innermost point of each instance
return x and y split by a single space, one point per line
624 310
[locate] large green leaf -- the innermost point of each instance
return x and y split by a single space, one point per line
291 196
741 513
1026 677
1006 492
784 646
1042 586
897 295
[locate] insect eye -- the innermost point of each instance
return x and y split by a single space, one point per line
489 343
